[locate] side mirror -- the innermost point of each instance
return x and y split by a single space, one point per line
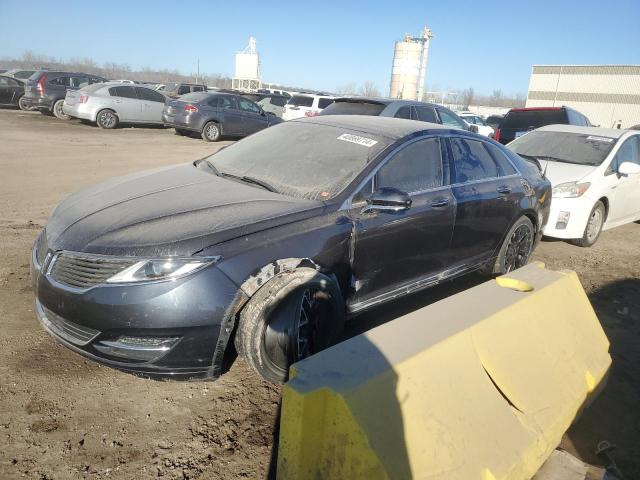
387 199
628 168
473 128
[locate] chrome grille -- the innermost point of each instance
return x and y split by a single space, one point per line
71 332
41 247
83 271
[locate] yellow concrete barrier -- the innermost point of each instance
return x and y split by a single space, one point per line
481 385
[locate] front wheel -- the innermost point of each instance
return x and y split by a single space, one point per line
516 248
107 119
57 110
293 316
594 226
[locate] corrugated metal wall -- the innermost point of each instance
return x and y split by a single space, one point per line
608 94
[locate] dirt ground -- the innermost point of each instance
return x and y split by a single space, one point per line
64 417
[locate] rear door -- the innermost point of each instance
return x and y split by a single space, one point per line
126 103
253 118
232 117
488 191
5 91
152 104
396 249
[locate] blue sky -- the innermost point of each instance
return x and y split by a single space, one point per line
483 44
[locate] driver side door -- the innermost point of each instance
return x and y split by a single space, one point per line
626 188
396 251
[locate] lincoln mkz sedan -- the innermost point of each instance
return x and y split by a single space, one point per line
270 244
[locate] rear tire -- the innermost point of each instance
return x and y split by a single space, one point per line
57 110
593 229
211 132
294 315
516 248
107 119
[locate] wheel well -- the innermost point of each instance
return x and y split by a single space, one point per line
534 220
605 202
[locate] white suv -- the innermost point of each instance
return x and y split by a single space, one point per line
473 119
305 105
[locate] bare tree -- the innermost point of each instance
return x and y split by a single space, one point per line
347 89
466 97
369 89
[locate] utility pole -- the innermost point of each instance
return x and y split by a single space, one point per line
198 74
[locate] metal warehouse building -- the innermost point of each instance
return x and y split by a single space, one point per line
608 94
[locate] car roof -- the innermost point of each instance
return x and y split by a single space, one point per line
383 101
391 128
604 132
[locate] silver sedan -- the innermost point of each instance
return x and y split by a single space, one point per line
109 104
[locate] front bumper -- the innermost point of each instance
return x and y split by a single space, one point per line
190 311
568 217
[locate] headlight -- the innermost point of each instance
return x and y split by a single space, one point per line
161 269
570 189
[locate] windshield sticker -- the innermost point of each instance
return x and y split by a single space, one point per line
365 142
600 139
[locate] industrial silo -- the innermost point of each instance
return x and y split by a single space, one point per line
410 66
247 73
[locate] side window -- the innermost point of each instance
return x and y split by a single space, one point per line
214 102
278 101
324 102
426 114
149 95
79 82
414 168
363 193
14 83
227 103
198 88
404 112
4 81
61 81
248 106
125 92
183 89
450 120
95 80
628 152
472 161
504 166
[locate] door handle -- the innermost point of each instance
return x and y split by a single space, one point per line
504 189
442 202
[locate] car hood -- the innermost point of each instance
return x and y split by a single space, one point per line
558 172
171 211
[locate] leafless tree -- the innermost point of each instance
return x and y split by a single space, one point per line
369 89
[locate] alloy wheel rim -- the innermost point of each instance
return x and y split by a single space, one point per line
594 224
106 119
212 132
306 326
58 108
518 249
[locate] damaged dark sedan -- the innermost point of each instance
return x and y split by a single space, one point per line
270 244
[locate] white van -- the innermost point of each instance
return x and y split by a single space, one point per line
305 105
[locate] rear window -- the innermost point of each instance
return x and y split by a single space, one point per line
353 108
301 101
531 119
324 102
426 114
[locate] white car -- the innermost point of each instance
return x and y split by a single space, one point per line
595 174
473 119
305 105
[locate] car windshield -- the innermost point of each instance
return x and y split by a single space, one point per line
300 159
566 147
353 108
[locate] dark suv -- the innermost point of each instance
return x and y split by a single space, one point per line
45 90
519 121
174 90
387 107
215 114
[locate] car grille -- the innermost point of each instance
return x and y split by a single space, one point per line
41 247
69 331
84 271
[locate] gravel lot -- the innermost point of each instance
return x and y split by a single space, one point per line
65 417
